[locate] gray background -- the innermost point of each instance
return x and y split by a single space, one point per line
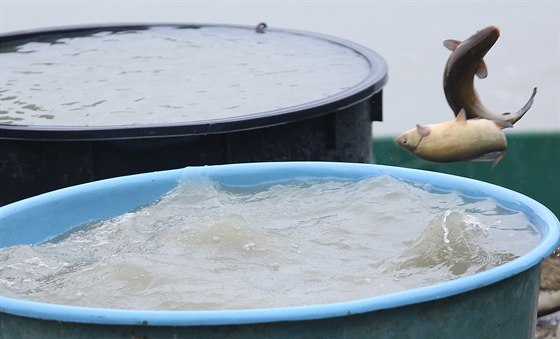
408 34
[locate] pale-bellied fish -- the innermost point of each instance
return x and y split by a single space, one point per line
457 140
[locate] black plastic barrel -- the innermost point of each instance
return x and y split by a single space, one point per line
37 157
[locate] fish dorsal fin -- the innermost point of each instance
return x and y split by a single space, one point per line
424 131
451 44
461 116
482 71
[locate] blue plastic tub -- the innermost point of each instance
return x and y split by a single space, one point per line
498 303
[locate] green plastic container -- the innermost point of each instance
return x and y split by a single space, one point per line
530 167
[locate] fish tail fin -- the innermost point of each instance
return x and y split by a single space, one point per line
524 109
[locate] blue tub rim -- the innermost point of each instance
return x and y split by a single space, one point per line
550 229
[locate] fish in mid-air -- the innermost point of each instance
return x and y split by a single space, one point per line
466 61
457 140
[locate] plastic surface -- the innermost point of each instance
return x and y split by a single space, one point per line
38 159
371 84
530 166
501 299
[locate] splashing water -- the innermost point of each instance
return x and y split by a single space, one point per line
206 246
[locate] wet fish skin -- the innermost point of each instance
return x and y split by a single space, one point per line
466 61
457 140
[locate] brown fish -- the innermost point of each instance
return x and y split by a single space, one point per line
465 61
457 140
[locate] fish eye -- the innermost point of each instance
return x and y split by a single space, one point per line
405 141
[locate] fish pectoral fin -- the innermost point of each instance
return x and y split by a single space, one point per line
482 71
451 44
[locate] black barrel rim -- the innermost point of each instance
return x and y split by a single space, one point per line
363 90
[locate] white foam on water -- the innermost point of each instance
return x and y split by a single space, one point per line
204 246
